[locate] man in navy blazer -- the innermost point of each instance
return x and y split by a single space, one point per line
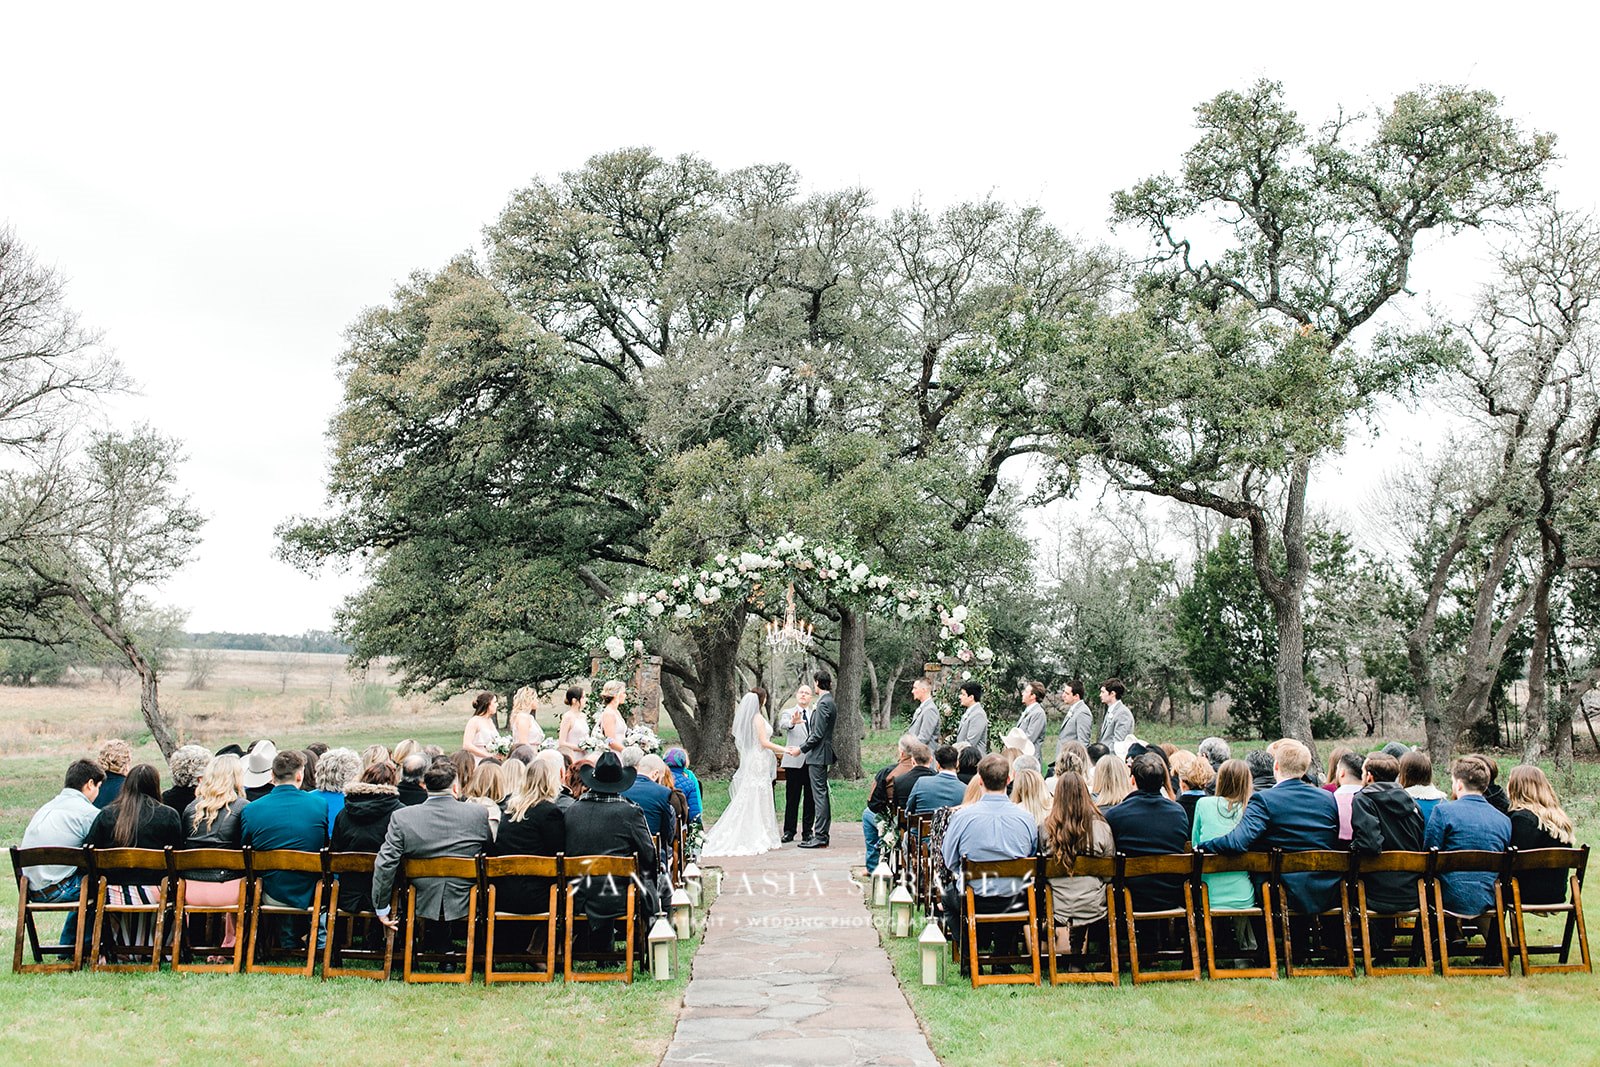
287 817
1147 823
654 799
1294 816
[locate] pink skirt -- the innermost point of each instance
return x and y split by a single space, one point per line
216 895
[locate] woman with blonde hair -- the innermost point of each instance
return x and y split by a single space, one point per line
1195 776
212 821
610 722
484 788
1537 821
1111 782
1215 816
524 721
974 791
403 749
1028 793
373 754
532 826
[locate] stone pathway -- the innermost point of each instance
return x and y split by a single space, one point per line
791 970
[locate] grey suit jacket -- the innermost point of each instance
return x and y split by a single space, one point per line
1077 726
1032 724
439 826
818 749
974 729
1118 724
925 723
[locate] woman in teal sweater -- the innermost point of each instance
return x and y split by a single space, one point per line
1214 817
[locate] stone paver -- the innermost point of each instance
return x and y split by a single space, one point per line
791 971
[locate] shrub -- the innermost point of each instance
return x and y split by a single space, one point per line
1329 724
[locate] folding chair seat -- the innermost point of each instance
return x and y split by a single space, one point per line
493 868
28 910
132 887
262 862
1022 911
1081 967
462 867
1258 865
1132 867
1315 861
1571 860
622 870
186 862
1485 862
1414 921
348 920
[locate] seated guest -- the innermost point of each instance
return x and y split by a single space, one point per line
655 768
1495 794
1148 823
482 787
137 819
1215 751
308 780
1330 781
602 823
362 825
1195 775
992 828
63 822
1348 778
574 787
1416 778
336 769
1395 749
286 817
921 767
374 754
434 829
258 769
940 790
404 748
211 820
188 763
410 789
1216 816
1110 782
1097 752
1467 823
967 765
114 758
876 814
654 799
1260 763
1295 816
1069 748
1384 818
1537 821
1074 827
1028 792
677 761
531 826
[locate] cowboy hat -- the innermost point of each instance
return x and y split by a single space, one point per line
1018 740
258 764
608 775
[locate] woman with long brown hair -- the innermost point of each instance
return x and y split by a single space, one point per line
481 728
137 819
1074 827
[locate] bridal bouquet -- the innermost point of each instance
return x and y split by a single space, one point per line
501 745
644 737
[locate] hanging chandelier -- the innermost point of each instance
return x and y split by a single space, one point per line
789 636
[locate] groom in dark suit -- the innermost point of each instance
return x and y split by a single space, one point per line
818 751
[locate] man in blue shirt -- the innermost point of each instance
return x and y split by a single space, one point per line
992 828
941 790
291 818
1468 823
63 822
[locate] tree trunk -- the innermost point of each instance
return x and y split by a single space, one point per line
1294 708
149 685
884 713
851 725
1287 592
872 693
1534 727
708 733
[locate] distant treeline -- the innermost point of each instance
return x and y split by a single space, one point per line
310 641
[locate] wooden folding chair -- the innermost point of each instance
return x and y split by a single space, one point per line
1573 860
461 867
1471 860
1420 928
979 873
919 859
490 869
1131 867
1101 969
344 922
263 862
209 859
129 869
26 909
1259 866
1314 861
613 867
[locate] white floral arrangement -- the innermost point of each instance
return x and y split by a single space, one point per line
501 745
549 744
644 737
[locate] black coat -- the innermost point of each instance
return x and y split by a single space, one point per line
903 784
361 826
1385 818
542 831
1148 824
225 831
159 827
1538 887
412 793
602 824
178 798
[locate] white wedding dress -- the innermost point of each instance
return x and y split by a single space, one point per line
749 825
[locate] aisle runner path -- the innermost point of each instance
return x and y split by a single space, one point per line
791 971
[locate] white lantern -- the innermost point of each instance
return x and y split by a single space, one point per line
934 950
713 879
682 914
882 878
693 883
663 946
900 902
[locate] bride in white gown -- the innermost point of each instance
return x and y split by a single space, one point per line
749 825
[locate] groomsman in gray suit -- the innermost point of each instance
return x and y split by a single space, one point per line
925 722
1034 716
1079 723
973 731
1118 722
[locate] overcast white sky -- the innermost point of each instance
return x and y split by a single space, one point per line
227 186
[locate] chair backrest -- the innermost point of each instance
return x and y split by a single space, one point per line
1550 859
1313 861
109 862
521 866
285 859
1239 862
1471 860
209 859
1170 863
442 867
1082 867
47 856
1393 863
977 872
351 862
597 866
